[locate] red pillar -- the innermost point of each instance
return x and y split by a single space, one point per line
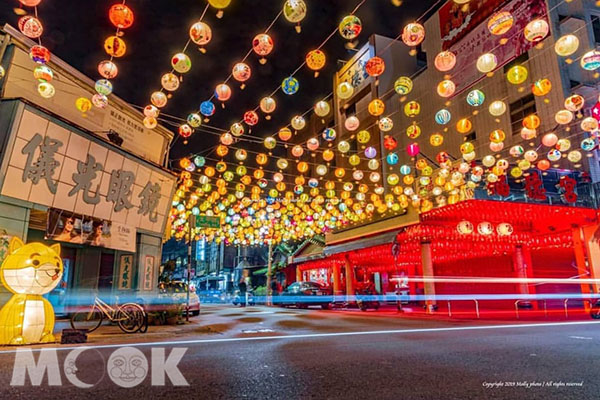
349 280
582 271
523 270
427 264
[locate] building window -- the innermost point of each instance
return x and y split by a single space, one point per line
517 61
519 110
596 28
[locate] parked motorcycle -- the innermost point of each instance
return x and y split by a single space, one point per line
595 311
365 299
237 298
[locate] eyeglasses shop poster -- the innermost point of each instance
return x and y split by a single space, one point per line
64 226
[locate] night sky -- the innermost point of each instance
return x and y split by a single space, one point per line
75 31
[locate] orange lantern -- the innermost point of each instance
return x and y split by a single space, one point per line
121 16
464 125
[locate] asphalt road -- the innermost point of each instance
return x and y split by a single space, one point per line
261 353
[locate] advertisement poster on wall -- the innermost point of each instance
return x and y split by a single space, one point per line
64 226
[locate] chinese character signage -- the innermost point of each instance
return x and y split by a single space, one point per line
354 71
148 273
205 221
125 272
53 166
65 226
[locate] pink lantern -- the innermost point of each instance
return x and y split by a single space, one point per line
413 149
549 139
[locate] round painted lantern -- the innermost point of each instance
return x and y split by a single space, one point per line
370 152
297 151
446 88
41 55
574 156
103 86
223 92
413 131
159 99
574 103
389 143
290 85
589 124
443 116
588 144
345 90
436 139
343 146
285 134
554 155
43 74
530 155
504 229
413 149
528 134
150 122
590 61
251 118
464 125
181 63
536 30
445 61
563 145
500 23
316 59
497 136
226 139
352 123
294 10
237 129
531 121
543 165
475 98
83 104
465 227
151 111
267 105
312 144
549 139
487 63
322 108
375 66
185 131
115 46
328 155
517 74
46 90
207 108
413 34
30 26
497 108
200 33
566 45
270 143
194 120
298 122
350 27
541 87
282 163
516 151
376 107
121 16
241 72
262 44
170 82
30 3
99 100
108 69
386 124
465 148
403 85
329 134
485 228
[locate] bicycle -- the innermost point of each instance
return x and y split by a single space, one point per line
130 317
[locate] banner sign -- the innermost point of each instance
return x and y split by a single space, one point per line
125 271
148 273
476 39
64 226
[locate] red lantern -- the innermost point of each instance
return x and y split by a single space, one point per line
442 157
121 16
185 131
413 149
389 142
375 66
251 118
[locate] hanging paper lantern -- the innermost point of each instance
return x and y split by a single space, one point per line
267 105
495 147
443 116
43 74
226 139
464 125
312 144
185 131
103 86
328 155
563 145
517 74
389 143
403 85
590 61
181 63
475 98
516 151
41 55
251 118
207 108
99 100
566 45
121 16
465 228
150 122
352 123
485 228
237 129
549 139
554 155
270 142
541 87
170 82
588 144
290 85
294 10
504 229
108 69
528 134
115 46
30 26
262 45
315 60
285 134
445 61
413 34
500 23
343 146
446 88
497 136
385 124
282 163
30 3
200 33
413 131
350 27
536 30
465 148
413 149
574 156
376 107
329 134
531 155
194 120
589 124
46 90
262 159
436 139
563 117
83 104
574 103
354 160
241 72
531 121
159 99
298 122
297 151
488 161
370 152
151 111
345 90
375 66
487 63
497 108
322 108
223 92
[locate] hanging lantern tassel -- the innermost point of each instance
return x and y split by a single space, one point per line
268 117
202 50
243 86
298 28
316 74
222 105
413 51
262 61
206 119
220 14
185 142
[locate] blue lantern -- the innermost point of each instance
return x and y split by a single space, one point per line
199 161
207 108
443 116
588 144
329 134
475 98
405 169
290 85
392 158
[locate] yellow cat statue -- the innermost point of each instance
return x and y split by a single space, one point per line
29 271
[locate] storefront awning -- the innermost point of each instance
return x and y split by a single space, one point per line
384 238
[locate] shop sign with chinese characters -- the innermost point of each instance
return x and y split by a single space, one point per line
55 167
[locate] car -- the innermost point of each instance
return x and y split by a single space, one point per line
306 293
212 296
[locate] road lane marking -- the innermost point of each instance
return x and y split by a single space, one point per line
316 335
581 337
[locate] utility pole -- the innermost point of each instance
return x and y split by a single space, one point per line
269 291
192 225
